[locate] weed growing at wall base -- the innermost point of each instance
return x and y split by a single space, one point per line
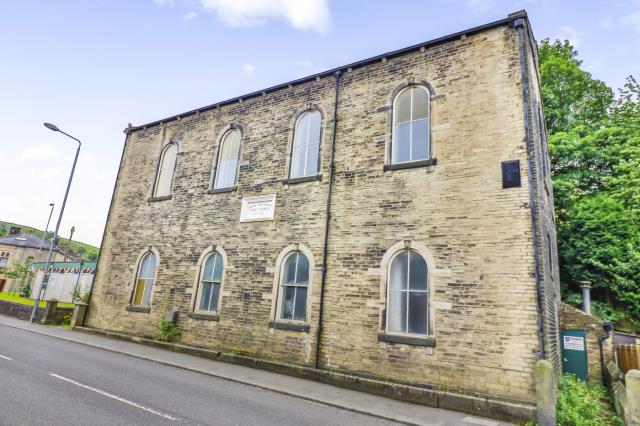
584 404
167 331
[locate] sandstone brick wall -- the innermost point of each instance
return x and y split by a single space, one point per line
475 235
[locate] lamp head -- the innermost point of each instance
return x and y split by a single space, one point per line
608 326
51 127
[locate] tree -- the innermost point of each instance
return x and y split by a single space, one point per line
21 271
594 143
571 96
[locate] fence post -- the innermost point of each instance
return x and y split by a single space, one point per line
632 382
546 393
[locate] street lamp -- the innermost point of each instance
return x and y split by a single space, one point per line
47 272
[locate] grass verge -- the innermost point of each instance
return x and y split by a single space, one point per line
15 298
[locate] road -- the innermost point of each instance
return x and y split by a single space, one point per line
44 380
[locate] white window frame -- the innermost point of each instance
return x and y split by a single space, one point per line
223 139
146 280
161 168
281 286
306 146
411 121
408 291
201 282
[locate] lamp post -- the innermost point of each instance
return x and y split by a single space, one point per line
73 229
45 279
46 229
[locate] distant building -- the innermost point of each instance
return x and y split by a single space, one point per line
20 247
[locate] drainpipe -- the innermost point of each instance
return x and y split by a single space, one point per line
325 249
519 25
586 296
608 327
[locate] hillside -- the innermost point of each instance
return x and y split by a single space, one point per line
88 252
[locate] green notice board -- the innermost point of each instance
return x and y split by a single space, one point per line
574 353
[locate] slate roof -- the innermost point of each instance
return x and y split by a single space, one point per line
27 240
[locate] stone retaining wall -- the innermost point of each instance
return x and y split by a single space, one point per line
18 310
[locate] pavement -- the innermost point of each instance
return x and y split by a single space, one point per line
54 375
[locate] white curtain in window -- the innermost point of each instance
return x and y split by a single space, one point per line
228 160
306 145
165 170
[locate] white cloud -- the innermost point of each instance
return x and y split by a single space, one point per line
302 15
41 152
248 70
189 16
163 2
569 33
305 64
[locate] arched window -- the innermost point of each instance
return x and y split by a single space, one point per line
165 170
408 294
294 283
229 154
210 283
306 145
144 280
410 138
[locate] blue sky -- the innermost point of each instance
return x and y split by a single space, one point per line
92 66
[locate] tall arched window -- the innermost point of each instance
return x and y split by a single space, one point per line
229 154
144 279
165 170
408 294
410 138
294 283
210 283
306 145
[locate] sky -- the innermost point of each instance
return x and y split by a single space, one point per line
92 66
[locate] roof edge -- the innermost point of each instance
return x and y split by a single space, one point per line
522 14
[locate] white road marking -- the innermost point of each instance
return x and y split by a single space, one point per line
6 357
478 421
110 395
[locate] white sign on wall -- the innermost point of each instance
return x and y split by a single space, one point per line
262 207
574 343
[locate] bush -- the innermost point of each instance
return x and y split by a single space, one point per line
584 404
167 331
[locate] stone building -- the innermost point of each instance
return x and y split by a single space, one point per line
19 248
391 219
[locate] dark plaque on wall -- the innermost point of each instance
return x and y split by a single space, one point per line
511 174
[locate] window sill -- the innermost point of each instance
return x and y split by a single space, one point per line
205 317
411 165
162 198
292 326
406 339
293 181
221 190
139 308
